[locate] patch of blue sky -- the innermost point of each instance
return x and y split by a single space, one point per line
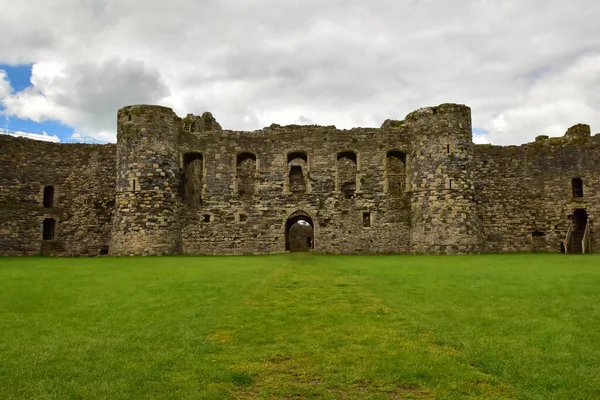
19 77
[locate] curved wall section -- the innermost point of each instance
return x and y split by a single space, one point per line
443 212
146 220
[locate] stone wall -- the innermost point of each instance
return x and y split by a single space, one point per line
82 176
525 189
186 186
228 222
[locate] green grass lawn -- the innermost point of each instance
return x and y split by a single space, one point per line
301 326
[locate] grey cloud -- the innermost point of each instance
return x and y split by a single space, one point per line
88 95
344 62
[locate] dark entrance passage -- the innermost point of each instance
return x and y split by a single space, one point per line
299 232
580 220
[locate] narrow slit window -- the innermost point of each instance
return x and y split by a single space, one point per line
49 196
577 186
134 183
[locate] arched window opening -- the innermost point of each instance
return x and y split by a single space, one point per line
297 171
49 196
48 229
577 186
299 232
347 171
395 170
193 178
246 178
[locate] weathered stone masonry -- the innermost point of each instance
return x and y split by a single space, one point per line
176 185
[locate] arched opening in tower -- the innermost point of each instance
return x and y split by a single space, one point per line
580 221
193 178
346 173
396 172
299 232
297 170
246 174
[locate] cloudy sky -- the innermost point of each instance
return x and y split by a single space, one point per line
525 67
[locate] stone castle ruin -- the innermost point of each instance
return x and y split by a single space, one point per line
174 185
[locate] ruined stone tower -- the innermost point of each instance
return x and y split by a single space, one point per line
146 218
443 212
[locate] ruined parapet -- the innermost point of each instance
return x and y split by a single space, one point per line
579 131
391 124
147 201
206 122
443 213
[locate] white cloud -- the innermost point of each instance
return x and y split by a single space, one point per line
86 95
525 67
37 136
481 139
556 101
5 88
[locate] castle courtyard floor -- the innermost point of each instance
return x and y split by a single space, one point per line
523 326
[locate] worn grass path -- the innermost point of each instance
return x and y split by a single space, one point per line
301 326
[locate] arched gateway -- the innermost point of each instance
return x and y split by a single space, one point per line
299 232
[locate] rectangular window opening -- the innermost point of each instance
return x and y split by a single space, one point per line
48 229
366 219
48 197
577 187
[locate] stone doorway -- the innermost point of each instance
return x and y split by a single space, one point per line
299 232
580 220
